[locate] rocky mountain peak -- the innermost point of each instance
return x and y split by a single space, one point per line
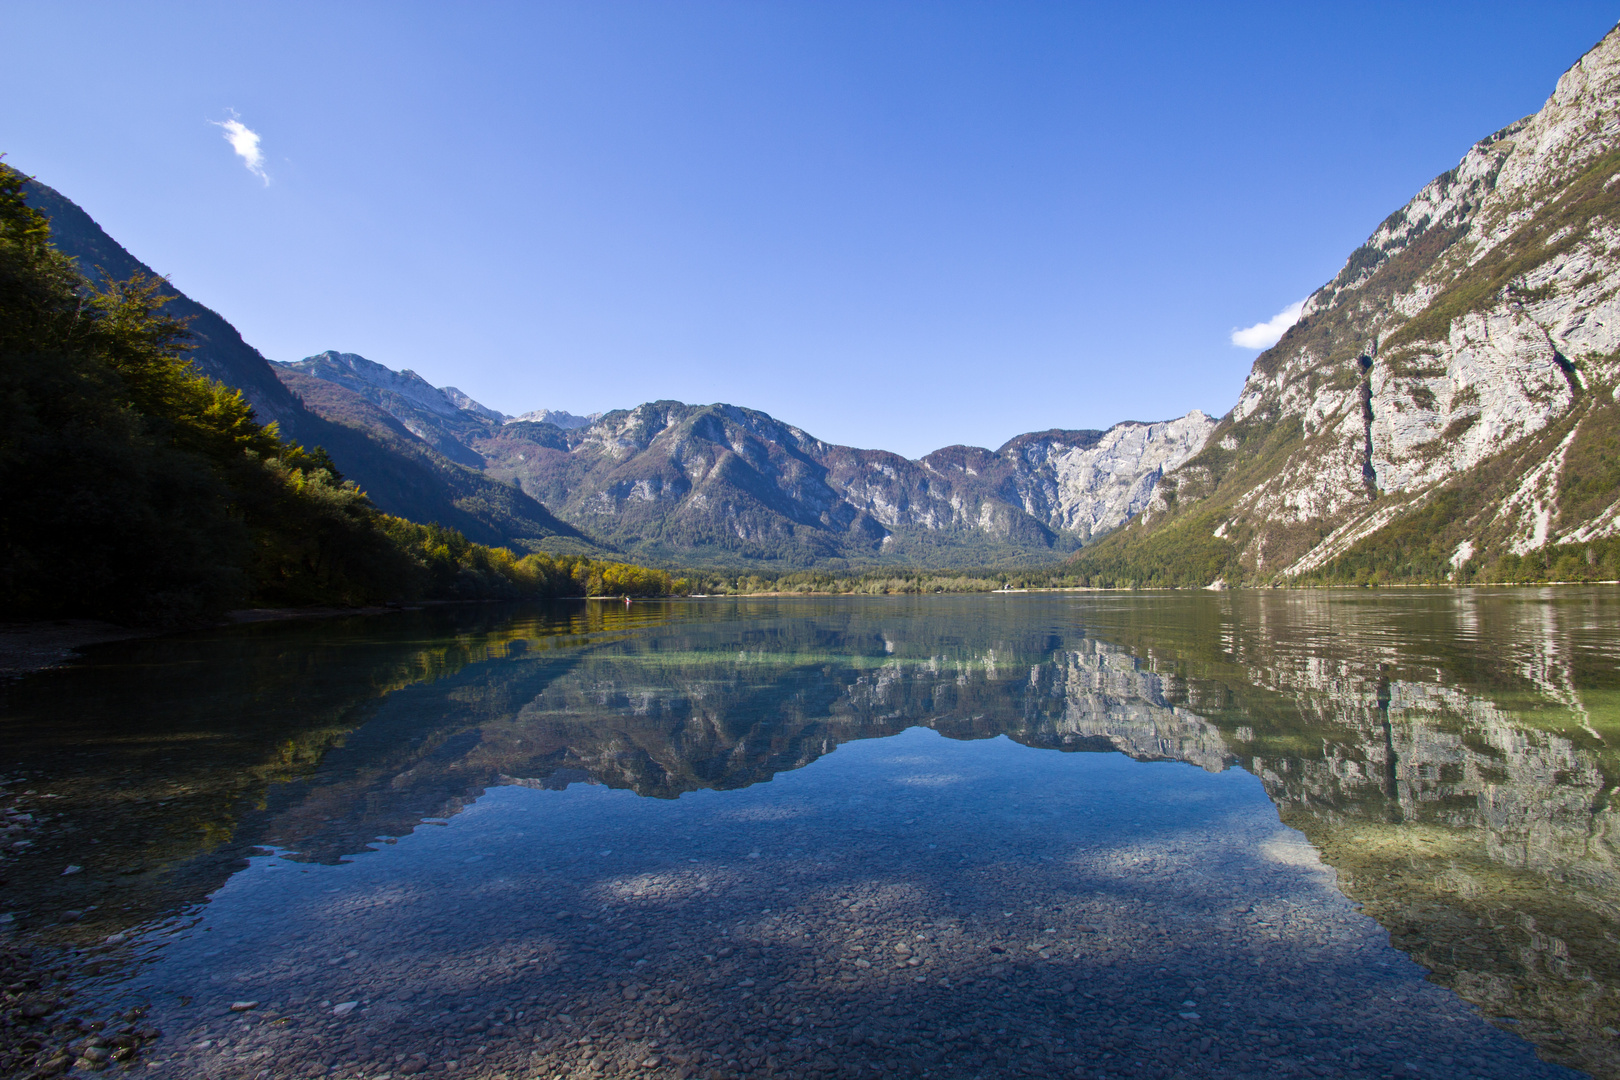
380 384
1473 342
559 418
445 419
722 481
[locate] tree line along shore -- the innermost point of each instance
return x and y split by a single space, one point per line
141 492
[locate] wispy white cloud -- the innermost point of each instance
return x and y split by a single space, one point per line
245 141
1265 335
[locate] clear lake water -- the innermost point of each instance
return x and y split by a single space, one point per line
1283 833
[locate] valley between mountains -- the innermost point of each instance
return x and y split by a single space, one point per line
719 484
671 483
1444 410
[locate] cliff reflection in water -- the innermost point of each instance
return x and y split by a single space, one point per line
1452 756
1449 753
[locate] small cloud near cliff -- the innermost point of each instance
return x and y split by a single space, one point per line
1265 335
245 141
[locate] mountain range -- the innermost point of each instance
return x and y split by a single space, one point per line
723 485
1446 403
699 485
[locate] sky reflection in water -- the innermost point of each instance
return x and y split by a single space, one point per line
942 901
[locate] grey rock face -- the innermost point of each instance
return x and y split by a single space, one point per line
379 384
1478 328
567 421
1093 487
462 401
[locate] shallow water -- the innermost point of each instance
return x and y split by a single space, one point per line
1330 834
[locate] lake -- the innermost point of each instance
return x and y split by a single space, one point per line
1251 833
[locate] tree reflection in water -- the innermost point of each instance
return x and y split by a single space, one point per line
1444 752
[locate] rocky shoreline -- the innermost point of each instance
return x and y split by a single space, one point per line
44 1030
41 1032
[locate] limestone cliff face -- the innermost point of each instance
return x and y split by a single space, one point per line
1470 348
1093 486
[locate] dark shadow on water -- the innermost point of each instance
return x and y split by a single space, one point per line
1443 752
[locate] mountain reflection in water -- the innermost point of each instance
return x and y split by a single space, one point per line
1448 753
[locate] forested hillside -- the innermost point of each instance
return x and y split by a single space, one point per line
402 476
139 489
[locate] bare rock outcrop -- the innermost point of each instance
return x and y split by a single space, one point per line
1469 352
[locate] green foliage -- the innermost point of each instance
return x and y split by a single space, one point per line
1178 558
107 507
137 489
1364 258
1183 554
1595 561
1590 481
1255 447
1413 548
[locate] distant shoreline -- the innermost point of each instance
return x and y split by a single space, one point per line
30 647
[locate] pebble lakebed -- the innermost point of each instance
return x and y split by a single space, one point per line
910 906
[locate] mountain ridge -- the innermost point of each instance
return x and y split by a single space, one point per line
711 485
217 348
777 498
1445 407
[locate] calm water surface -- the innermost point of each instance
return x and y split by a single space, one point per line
1269 834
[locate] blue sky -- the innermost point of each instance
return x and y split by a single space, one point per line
900 225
